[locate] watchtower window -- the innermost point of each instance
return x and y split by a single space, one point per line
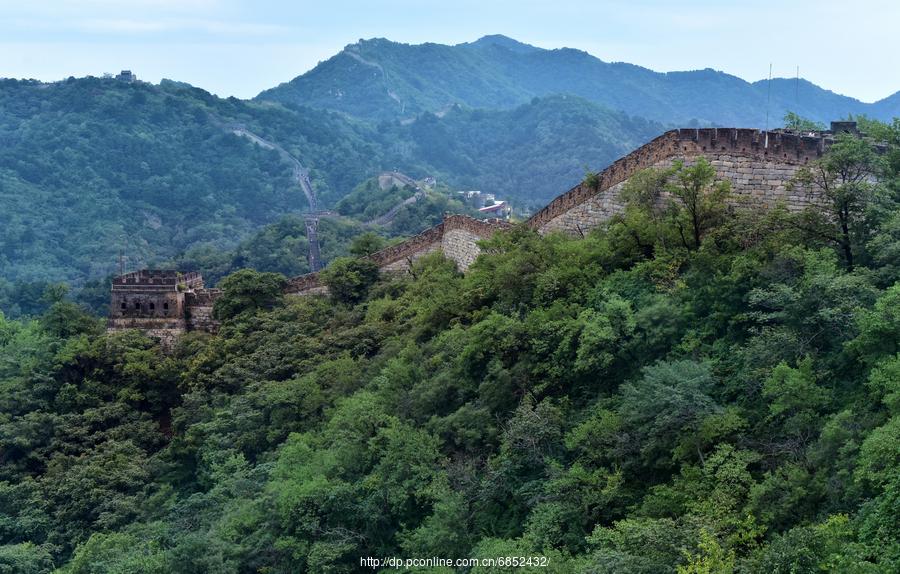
166 306
124 305
152 306
137 305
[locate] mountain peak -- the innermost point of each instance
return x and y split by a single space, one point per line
503 42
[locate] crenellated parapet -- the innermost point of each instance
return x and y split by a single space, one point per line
759 164
779 145
398 255
620 170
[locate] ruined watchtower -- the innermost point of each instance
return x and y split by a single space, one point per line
161 303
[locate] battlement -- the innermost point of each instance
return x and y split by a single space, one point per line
412 245
785 146
766 158
157 279
484 227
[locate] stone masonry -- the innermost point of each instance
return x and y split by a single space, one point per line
758 164
161 303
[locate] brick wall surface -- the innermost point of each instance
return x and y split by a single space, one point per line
461 245
758 164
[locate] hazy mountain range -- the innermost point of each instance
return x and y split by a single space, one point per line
90 166
379 79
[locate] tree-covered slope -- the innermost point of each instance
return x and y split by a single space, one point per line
380 79
529 154
90 167
629 402
93 167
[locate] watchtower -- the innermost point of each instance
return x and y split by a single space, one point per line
153 301
844 127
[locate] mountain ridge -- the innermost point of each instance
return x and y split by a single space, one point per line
496 71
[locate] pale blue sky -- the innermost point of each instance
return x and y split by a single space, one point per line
239 47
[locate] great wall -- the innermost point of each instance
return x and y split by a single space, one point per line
759 165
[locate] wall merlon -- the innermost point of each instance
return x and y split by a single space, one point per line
160 278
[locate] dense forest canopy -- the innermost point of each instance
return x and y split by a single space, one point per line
690 389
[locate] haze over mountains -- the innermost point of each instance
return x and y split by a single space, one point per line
379 79
90 167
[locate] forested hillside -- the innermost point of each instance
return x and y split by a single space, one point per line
380 79
524 154
690 389
90 167
93 167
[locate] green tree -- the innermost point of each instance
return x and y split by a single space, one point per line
644 216
844 180
796 122
699 201
248 291
366 244
349 279
663 409
712 558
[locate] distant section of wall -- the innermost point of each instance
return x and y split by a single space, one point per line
456 237
758 164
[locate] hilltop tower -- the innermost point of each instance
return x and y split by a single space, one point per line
161 303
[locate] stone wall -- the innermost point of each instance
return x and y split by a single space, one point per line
456 237
399 257
461 246
198 310
758 164
462 234
404 263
